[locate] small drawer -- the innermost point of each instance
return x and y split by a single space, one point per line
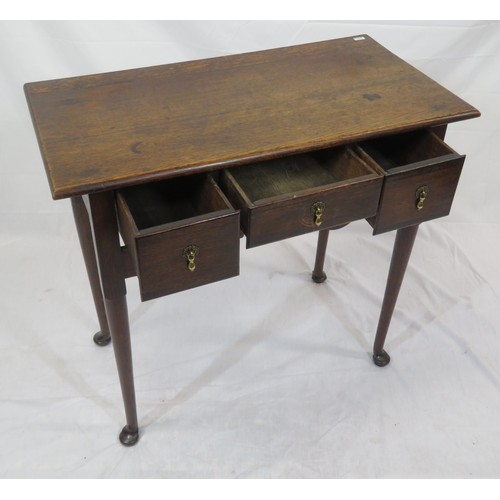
181 233
421 176
298 194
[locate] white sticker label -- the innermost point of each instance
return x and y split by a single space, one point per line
357 38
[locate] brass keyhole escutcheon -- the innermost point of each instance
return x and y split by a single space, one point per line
421 196
190 253
318 210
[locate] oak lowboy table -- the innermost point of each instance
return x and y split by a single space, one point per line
180 159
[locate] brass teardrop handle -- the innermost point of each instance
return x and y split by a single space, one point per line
318 210
421 195
190 253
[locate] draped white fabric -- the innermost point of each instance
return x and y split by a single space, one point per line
267 374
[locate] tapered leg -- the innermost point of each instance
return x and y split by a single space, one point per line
112 276
400 256
84 230
318 274
118 320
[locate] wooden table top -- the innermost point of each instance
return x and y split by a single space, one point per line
110 130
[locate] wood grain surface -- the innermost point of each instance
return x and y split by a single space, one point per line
110 130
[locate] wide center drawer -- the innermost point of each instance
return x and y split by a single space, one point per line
421 174
298 194
181 233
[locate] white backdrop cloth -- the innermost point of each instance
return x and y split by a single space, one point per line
267 374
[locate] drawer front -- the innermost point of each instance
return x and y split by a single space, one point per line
282 219
401 202
298 194
421 174
163 258
180 234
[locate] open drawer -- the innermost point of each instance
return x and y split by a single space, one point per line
181 233
302 193
421 176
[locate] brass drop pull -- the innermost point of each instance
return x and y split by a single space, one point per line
421 196
318 210
190 253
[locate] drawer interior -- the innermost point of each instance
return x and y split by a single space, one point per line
180 233
173 200
405 149
282 176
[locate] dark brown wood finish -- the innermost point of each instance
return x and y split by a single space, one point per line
159 222
128 264
106 131
84 230
344 123
403 245
409 162
277 197
107 244
440 131
318 274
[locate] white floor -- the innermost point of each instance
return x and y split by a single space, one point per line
267 374
264 375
